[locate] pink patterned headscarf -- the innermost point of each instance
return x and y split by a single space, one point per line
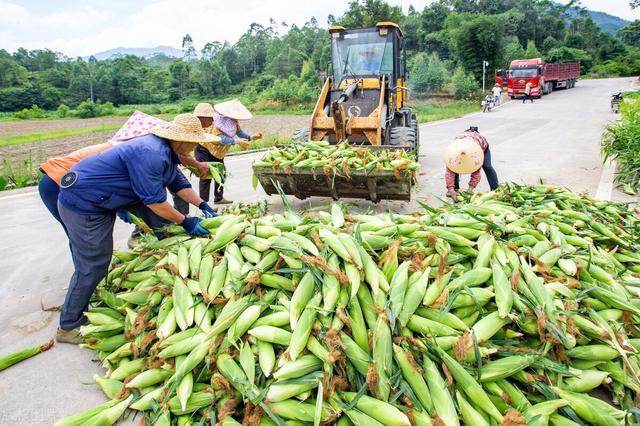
226 125
138 124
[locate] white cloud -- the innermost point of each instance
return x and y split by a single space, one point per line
93 27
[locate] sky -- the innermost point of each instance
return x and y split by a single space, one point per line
82 28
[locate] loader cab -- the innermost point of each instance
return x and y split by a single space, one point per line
363 99
366 53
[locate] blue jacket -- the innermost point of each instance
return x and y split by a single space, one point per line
138 170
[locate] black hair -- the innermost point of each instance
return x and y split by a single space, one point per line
473 128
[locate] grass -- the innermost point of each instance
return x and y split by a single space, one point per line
54 134
433 110
19 172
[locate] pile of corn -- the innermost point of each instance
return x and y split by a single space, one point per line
342 159
508 310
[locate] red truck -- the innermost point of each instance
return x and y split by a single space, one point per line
544 78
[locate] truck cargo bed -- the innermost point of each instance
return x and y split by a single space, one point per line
305 183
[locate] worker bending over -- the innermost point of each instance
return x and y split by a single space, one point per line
132 176
467 154
139 124
221 120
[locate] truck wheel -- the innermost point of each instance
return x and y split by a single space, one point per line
300 135
403 137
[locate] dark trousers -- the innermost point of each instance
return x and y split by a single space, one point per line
527 97
203 155
91 241
49 190
147 215
181 205
489 171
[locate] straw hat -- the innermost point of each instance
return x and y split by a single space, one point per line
203 109
185 128
463 155
233 109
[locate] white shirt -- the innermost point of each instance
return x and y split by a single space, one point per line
496 91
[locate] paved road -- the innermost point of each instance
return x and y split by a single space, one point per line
556 139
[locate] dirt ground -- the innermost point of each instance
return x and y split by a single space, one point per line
26 127
269 125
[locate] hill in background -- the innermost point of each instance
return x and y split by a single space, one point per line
145 52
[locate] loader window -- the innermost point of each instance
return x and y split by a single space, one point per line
361 54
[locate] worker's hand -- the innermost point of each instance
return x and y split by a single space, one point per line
124 216
451 193
256 135
193 227
206 209
244 144
203 169
472 189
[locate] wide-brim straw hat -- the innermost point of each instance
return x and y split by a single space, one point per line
233 109
203 109
463 156
185 128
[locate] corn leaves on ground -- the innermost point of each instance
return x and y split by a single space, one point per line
509 309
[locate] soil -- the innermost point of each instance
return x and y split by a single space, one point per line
26 127
269 125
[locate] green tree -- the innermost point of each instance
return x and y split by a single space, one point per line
512 50
211 77
479 39
188 51
428 74
366 13
464 85
566 54
180 76
418 79
549 43
631 33
531 50
574 40
12 74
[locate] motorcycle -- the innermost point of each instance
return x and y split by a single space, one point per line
615 102
488 103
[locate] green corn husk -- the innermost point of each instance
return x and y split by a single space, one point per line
463 312
16 357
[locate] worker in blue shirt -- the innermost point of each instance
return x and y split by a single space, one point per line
132 176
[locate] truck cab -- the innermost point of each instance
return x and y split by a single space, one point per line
523 71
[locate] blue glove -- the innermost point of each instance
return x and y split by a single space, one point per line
124 216
193 227
207 210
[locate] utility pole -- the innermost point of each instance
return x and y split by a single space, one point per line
485 64
89 65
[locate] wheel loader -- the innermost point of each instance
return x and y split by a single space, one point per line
362 101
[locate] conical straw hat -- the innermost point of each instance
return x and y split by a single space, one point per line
185 128
233 109
203 109
463 156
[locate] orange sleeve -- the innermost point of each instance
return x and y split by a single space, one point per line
57 167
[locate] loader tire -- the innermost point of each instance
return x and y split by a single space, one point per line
403 136
300 135
416 127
